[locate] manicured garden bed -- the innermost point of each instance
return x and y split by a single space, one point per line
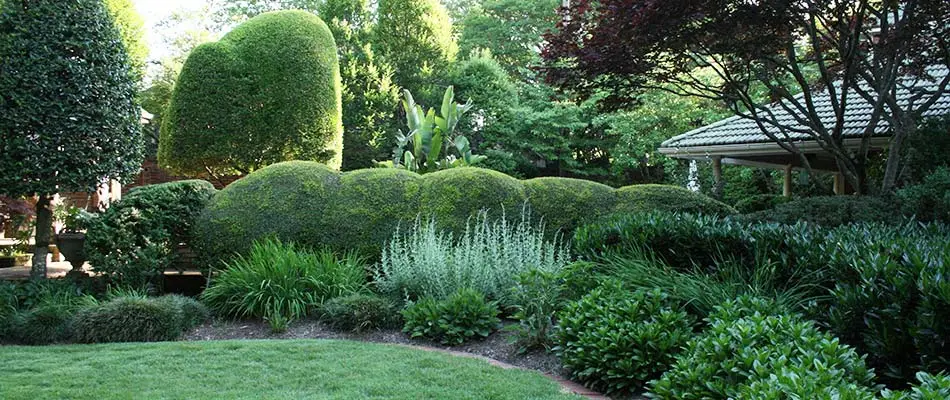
325 369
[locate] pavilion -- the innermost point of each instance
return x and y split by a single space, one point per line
740 141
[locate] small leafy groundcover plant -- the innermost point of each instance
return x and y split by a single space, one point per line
281 283
616 340
536 300
463 316
745 353
931 387
359 312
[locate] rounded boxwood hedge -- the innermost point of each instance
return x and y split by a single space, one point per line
646 198
566 203
370 204
268 91
452 196
289 201
311 205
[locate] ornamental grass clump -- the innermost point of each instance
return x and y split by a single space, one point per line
488 257
281 283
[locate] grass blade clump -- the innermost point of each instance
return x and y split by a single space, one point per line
281 283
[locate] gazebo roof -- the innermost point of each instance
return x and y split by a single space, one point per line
737 137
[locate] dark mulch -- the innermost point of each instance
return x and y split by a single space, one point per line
495 346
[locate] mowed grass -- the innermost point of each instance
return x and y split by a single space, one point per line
258 369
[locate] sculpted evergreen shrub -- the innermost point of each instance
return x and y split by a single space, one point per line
454 195
289 201
565 203
128 319
645 198
370 204
268 91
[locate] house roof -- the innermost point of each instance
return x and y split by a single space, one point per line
739 132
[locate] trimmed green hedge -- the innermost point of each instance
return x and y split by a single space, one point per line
267 92
289 201
646 198
452 196
831 211
372 203
566 203
312 205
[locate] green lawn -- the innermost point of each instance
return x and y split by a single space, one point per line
258 369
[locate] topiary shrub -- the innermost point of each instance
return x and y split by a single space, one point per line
831 211
463 316
645 198
565 203
370 204
268 91
135 239
454 195
128 319
930 199
616 341
733 355
289 201
359 312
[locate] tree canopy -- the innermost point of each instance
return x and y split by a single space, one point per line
415 37
68 118
849 49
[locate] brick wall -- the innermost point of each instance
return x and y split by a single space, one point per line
152 174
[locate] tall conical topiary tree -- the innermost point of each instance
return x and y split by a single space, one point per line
268 91
68 118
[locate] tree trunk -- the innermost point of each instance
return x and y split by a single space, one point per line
892 167
44 224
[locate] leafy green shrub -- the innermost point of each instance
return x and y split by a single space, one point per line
536 300
702 291
464 315
931 387
488 257
359 312
135 239
287 201
760 202
896 304
370 204
192 313
281 283
930 199
454 195
819 383
8 307
565 203
645 198
732 355
128 319
926 150
43 311
268 91
831 211
614 340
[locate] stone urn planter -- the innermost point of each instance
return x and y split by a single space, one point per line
22 259
71 245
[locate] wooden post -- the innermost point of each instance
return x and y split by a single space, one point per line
717 177
839 183
787 186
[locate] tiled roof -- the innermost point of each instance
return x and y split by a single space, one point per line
739 130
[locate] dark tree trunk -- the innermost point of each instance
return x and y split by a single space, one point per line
44 224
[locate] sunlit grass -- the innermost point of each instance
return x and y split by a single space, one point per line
259 369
